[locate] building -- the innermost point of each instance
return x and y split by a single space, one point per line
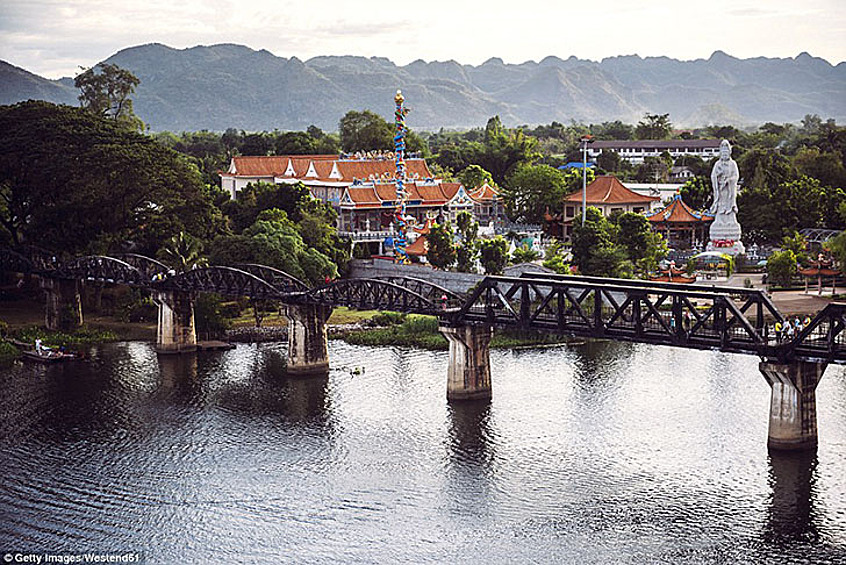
325 175
487 204
369 205
607 194
636 151
664 191
682 227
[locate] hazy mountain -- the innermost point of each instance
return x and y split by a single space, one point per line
227 85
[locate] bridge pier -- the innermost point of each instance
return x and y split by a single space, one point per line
308 351
175 332
469 370
793 404
64 304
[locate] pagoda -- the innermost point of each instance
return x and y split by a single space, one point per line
680 225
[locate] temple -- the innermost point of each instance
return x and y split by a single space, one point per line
682 227
362 188
607 194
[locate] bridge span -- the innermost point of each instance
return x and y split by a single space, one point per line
688 316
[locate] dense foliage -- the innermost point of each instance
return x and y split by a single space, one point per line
75 182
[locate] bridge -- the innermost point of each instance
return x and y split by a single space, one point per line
689 316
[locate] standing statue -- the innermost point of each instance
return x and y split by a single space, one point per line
725 232
724 177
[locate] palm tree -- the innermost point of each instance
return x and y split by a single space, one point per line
183 252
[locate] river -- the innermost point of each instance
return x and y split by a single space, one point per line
595 453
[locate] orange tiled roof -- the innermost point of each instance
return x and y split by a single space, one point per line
677 212
419 247
348 169
363 195
484 192
450 189
609 190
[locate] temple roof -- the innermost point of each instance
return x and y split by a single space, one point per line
323 168
609 190
677 212
419 193
484 193
419 247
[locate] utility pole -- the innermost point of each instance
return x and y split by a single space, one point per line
585 140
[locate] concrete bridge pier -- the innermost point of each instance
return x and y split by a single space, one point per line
175 333
308 351
469 370
64 304
793 404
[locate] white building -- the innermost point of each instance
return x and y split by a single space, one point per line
636 151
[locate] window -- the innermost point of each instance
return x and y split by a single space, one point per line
571 211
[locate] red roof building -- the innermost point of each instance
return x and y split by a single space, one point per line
326 175
680 225
607 194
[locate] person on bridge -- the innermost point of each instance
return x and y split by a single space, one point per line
778 330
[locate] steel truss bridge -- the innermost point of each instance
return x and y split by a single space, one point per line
691 316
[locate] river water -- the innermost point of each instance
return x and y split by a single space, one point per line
594 453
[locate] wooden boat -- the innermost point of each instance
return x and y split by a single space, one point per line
49 356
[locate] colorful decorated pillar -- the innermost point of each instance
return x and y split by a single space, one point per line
401 237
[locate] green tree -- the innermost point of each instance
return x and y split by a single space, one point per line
105 90
594 250
274 240
76 182
365 131
183 252
697 193
654 126
474 176
467 250
781 266
441 253
524 254
494 255
503 150
554 258
610 161
531 190
798 245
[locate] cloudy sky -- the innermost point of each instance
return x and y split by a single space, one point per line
54 38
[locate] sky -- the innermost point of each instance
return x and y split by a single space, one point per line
54 38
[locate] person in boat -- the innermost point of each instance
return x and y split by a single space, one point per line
39 348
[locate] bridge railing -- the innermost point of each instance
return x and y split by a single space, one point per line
703 319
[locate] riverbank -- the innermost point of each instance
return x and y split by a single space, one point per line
422 332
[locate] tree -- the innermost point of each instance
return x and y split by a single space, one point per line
474 176
441 253
365 131
532 190
467 250
503 151
594 250
106 93
183 252
697 193
75 182
554 258
609 160
274 240
494 255
781 266
524 254
654 126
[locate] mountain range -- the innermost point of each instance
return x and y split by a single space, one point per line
222 86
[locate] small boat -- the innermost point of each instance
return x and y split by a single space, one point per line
49 356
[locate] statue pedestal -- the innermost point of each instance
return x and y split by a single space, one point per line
725 235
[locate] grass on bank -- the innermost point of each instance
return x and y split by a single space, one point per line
422 331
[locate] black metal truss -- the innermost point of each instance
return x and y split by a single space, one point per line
371 294
226 281
429 290
280 280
